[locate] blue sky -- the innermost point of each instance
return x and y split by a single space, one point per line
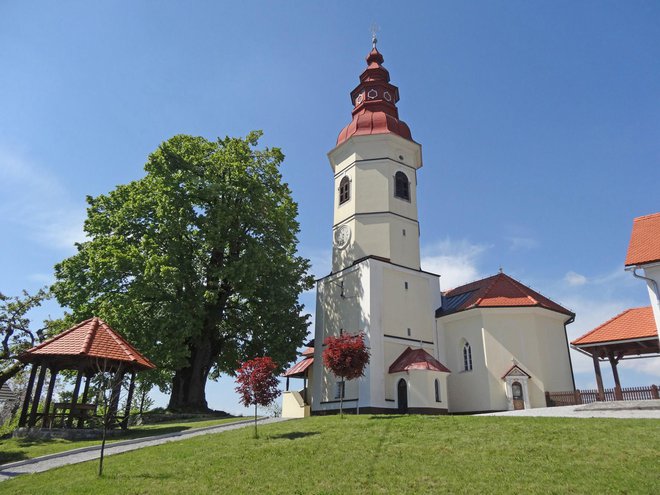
539 123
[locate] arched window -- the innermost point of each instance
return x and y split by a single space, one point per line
344 190
437 391
401 186
467 357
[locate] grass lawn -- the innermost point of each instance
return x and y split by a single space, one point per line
383 454
18 449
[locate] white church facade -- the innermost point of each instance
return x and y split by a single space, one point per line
491 345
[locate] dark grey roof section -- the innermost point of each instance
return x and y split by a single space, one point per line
451 304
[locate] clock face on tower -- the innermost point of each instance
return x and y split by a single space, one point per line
342 236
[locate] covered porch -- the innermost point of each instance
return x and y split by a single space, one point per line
89 349
296 403
629 335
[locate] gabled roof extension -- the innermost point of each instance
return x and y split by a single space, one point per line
644 244
516 370
299 369
417 359
498 291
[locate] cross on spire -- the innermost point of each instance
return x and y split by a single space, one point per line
374 30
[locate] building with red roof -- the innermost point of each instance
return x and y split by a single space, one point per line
633 333
505 341
644 256
491 345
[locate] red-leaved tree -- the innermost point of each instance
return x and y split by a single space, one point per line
347 357
257 384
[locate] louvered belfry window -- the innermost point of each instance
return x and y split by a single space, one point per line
401 186
344 190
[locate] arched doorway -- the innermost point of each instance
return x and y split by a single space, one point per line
402 396
518 397
516 388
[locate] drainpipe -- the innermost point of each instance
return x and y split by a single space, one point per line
654 284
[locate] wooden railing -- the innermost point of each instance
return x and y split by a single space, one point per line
588 396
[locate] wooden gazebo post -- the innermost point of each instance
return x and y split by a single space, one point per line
28 395
614 361
88 379
74 398
599 377
49 396
37 396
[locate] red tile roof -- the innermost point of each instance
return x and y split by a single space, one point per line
417 359
299 369
644 244
92 338
635 323
495 292
309 351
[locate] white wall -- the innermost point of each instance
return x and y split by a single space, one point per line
534 338
653 271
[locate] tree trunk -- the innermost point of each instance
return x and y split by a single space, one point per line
341 398
256 435
189 383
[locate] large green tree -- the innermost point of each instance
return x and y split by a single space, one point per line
195 263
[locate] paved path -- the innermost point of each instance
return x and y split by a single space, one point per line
617 409
84 454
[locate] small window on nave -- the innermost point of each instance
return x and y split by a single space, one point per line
344 190
437 391
467 357
401 186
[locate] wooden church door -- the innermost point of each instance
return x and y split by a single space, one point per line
518 399
402 396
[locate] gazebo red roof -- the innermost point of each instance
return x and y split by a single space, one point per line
632 324
644 244
91 339
417 359
496 291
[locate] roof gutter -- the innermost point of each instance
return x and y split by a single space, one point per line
654 284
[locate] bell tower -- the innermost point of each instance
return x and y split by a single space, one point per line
375 165
376 285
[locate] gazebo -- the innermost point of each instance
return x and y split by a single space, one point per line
89 348
629 335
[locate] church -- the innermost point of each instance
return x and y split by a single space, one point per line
491 345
